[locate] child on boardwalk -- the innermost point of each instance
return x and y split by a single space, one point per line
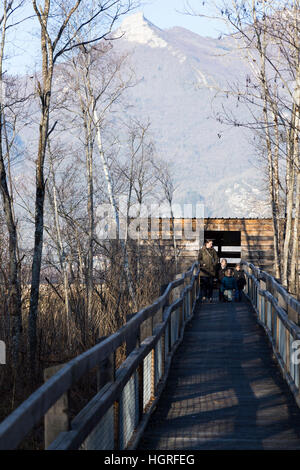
228 286
240 281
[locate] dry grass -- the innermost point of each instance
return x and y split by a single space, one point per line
60 340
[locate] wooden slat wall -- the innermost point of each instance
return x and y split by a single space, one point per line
256 239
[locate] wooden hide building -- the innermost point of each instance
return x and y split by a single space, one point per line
249 239
254 237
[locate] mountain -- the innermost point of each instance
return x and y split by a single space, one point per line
180 77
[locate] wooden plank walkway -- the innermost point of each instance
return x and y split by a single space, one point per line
224 390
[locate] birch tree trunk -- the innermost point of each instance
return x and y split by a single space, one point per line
276 184
115 209
61 253
290 181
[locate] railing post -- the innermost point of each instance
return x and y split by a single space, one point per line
176 292
168 327
56 420
180 320
259 296
132 340
146 329
187 298
106 369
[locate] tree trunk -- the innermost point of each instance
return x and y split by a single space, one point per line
295 235
39 218
276 183
90 210
61 254
14 294
115 210
44 91
290 181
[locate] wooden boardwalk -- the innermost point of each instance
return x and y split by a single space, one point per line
224 390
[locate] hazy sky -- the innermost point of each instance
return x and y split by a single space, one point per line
168 13
24 45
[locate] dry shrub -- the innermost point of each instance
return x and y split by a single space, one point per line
60 339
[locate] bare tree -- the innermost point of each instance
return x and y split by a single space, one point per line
62 27
99 85
9 104
166 180
267 33
138 172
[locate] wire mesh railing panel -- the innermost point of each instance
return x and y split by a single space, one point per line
129 411
262 309
282 340
166 341
173 328
147 379
296 379
269 316
102 437
257 297
183 313
177 323
274 324
292 362
158 362
187 306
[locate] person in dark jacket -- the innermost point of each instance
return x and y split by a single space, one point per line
221 274
228 286
208 260
240 281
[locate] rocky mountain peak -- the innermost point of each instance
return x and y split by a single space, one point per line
136 28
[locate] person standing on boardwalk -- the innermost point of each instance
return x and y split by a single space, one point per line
221 274
208 260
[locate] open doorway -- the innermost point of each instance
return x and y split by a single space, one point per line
227 244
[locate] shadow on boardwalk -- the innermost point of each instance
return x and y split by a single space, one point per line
224 390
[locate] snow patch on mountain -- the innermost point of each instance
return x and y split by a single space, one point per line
136 28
